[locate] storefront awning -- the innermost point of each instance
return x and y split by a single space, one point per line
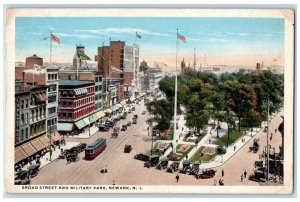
37 144
45 140
20 154
86 120
64 126
29 149
108 111
114 108
80 124
93 118
123 102
100 114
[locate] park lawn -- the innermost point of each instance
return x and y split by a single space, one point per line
156 151
198 138
233 136
205 158
180 153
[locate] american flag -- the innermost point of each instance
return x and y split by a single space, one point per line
181 37
55 39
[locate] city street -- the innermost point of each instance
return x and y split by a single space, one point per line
123 169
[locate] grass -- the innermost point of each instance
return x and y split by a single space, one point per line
206 157
156 151
233 136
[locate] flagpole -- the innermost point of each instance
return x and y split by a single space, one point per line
175 100
50 49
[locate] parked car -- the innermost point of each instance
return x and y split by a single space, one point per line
123 116
173 167
208 173
163 163
127 148
134 120
129 123
186 166
115 133
195 169
142 157
153 161
33 170
135 116
104 128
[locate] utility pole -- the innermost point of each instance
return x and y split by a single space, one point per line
268 149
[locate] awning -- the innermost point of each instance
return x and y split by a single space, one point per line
108 111
86 120
114 108
119 105
20 154
45 140
29 149
85 90
45 96
93 118
56 137
100 114
123 102
80 124
64 126
37 144
77 92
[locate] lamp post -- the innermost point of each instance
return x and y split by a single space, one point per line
50 143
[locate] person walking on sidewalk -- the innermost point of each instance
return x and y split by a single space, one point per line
222 172
234 147
245 174
177 178
242 177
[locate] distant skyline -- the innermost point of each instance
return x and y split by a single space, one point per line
225 41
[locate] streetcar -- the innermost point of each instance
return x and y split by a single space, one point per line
95 148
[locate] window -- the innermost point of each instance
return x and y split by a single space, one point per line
27 118
55 76
52 88
22 134
49 76
64 104
100 79
51 110
52 76
22 104
27 102
26 133
97 79
22 119
64 115
52 98
69 77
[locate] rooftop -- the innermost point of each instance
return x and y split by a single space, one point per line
73 82
34 57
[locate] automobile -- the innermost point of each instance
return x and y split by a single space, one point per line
186 166
33 170
129 123
173 167
127 148
195 169
144 112
255 145
21 175
104 127
208 173
115 133
142 157
134 120
155 132
133 108
124 127
153 161
258 176
110 123
123 116
135 116
163 163
82 146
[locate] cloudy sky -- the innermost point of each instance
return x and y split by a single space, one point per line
227 41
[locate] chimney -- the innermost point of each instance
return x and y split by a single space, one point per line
23 85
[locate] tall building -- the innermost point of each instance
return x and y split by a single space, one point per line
76 105
52 82
155 75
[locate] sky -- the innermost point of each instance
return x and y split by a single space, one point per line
217 41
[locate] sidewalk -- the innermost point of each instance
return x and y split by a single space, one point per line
86 134
55 154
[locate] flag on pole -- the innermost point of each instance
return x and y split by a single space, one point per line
181 37
84 57
55 39
138 36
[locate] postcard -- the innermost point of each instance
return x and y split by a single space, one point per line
106 100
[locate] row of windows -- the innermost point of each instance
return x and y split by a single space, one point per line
52 98
83 112
98 79
98 97
51 110
24 104
52 77
52 122
38 113
24 136
98 88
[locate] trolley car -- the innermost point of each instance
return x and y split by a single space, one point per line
95 148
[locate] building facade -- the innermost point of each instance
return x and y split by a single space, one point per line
154 75
76 104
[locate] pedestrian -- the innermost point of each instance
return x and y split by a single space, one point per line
271 136
209 141
234 147
242 178
186 157
275 130
106 169
182 128
245 173
176 141
177 178
113 183
222 173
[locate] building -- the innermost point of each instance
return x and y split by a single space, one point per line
154 76
76 105
30 118
52 82
87 75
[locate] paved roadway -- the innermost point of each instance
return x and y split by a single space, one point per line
125 170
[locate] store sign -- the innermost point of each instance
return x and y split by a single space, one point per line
17 133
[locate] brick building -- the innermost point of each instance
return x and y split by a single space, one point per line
76 105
